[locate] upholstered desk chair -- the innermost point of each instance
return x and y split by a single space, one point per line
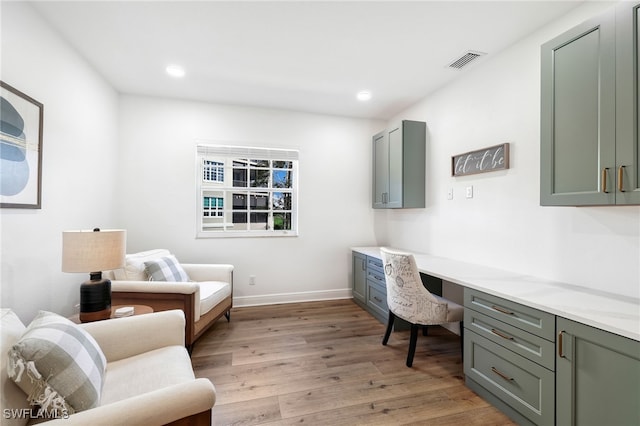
408 299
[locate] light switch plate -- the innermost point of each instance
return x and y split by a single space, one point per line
469 191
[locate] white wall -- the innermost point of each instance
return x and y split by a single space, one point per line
79 163
157 197
497 101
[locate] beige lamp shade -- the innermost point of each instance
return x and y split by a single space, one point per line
93 251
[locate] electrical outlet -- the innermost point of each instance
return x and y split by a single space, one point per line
469 191
450 194
252 280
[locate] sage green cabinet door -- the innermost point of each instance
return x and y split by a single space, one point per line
577 150
597 377
627 103
396 167
359 278
380 170
399 157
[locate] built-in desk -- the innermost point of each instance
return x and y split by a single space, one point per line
544 352
606 311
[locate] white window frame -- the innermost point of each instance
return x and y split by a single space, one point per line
259 197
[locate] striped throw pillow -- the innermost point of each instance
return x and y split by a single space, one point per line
58 365
165 268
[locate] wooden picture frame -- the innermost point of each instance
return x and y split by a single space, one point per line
481 161
21 119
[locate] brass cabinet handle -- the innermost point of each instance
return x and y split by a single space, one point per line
498 333
499 373
603 183
560 351
621 178
503 310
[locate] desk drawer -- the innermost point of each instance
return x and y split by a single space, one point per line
528 345
376 276
523 385
529 319
377 299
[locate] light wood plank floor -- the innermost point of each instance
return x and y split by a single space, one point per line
322 363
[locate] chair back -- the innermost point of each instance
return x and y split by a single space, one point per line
407 298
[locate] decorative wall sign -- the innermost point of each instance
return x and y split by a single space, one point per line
481 161
20 149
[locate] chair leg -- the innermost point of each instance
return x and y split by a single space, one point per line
425 330
412 344
389 328
228 315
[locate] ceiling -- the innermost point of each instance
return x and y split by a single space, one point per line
299 55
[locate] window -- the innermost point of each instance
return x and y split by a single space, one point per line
246 191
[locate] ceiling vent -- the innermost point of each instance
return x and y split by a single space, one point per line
465 59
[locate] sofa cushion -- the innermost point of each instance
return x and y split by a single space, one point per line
11 329
134 269
58 365
166 268
146 372
212 293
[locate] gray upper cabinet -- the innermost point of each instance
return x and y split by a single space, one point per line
399 166
589 113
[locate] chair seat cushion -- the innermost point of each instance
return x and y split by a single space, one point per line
146 372
212 293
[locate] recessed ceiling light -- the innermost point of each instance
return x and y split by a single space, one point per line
363 95
175 71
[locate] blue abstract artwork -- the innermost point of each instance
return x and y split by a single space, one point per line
20 149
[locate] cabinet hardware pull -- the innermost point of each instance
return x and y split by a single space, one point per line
560 351
504 376
504 336
603 183
503 310
621 178
377 299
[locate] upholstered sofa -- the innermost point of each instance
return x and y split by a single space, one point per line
147 377
204 298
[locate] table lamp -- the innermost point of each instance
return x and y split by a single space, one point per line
93 252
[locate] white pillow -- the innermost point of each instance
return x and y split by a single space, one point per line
58 365
134 269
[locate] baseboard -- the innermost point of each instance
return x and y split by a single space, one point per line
305 296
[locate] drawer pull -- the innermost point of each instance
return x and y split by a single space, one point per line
503 310
621 178
498 333
504 376
377 299
603 182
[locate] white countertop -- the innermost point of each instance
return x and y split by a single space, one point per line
607 311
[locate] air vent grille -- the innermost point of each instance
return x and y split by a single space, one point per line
465 59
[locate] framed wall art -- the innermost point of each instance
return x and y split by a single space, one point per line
20 149
481 161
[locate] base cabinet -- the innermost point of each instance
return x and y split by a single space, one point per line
597 377
359 285
508 356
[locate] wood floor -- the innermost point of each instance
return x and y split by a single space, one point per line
322 363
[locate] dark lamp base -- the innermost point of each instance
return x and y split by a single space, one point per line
95 300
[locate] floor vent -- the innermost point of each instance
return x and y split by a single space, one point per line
465 59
